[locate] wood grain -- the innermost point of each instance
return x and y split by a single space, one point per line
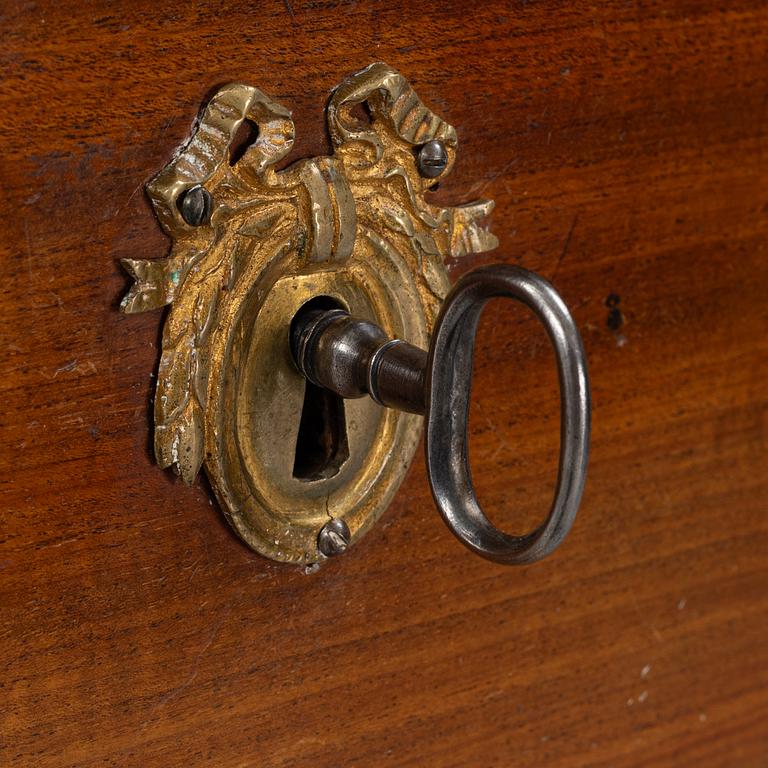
626 146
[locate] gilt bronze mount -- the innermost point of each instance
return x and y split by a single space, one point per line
253 244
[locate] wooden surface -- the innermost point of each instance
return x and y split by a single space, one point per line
626 146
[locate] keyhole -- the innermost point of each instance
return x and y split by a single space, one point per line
321 444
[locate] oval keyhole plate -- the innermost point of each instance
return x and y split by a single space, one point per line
255 423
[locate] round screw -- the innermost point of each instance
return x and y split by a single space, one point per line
195 206
333 538
432 159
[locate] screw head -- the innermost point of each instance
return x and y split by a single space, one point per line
432 159
195 205
333 538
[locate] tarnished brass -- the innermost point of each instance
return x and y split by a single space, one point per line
251 245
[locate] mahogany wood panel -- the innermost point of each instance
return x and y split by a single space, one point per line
626 146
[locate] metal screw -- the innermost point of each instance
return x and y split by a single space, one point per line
195 206
333 538
432 159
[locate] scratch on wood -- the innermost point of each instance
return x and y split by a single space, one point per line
655 632
65 368
289 8
29 250
176 691
479 187
566 245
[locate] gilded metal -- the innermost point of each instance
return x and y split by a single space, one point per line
249 253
